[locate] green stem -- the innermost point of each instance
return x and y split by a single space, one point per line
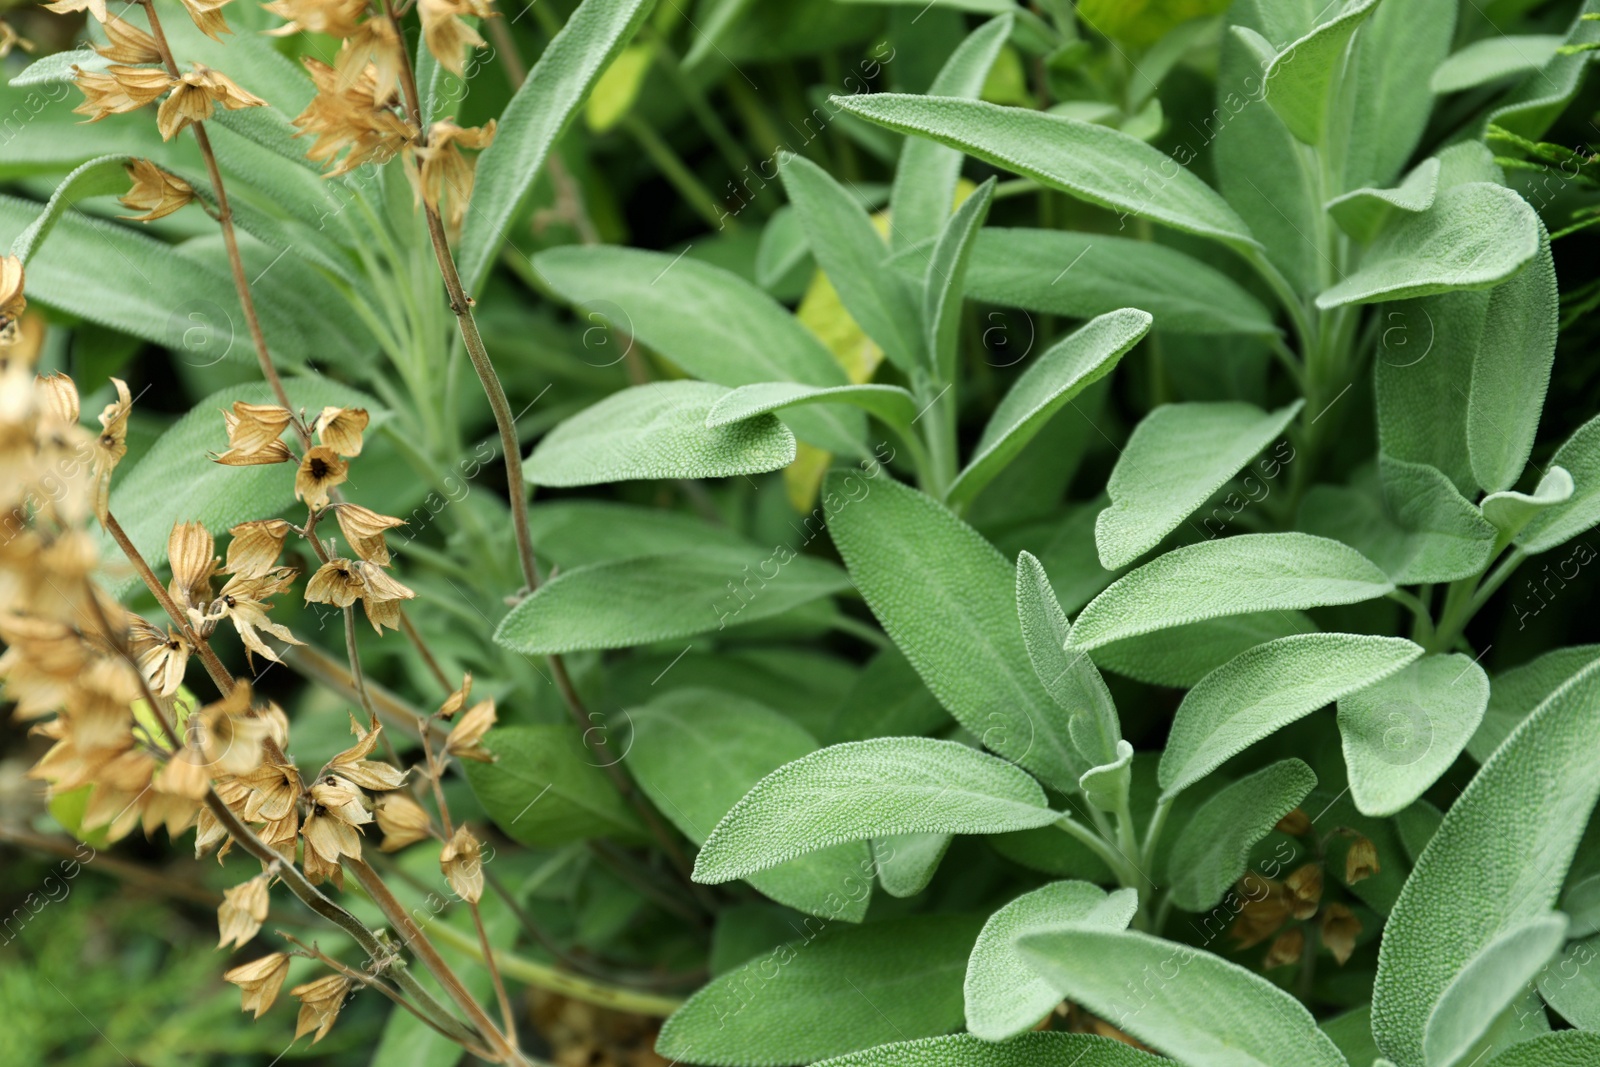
1422 630
542 976
1098 846
1152 833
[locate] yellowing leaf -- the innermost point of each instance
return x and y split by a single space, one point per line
618 88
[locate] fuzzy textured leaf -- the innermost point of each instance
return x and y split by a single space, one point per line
1213 849
1496 862
1192 1005
1266 688
1094 163
1400 734
657 431
1004 996
1229 576
864 789
1177 457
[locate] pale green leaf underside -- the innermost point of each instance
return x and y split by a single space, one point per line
1496 862
865 789
1266 688
695 752
1474 236
1004 996
1095 163
534 119
657 431
1510 511
1213 849
948 600
1191 1005
1229 576
1299 77
890 403
1361 213
626 602
1400 734
830 993
1063 371
98 177
1081 275
1177 457
1488 984
1025 1050
1579 456
906 863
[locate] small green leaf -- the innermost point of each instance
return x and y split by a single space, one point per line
832 992
1487 985
1066 369
1229 576
1213 849
1497 861
1299 78
948 600
1069 678
626 602
1362 213
695 752
1106 786
1094 163
1511 370
906 863
1265 689
1004 997
1177 457
1473 237
890 403
1182 655
1025 1050
545 787
657 431
1400 734
1510 511
1493 59
926 175
864 789
1081 275
571 63
944 283
1579 456
1181 1001
98 177
852 254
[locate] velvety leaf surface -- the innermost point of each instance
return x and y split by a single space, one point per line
544 788
1024 1050
1265 689
1229 576
1004 996
1213 849
865 789
1497 861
